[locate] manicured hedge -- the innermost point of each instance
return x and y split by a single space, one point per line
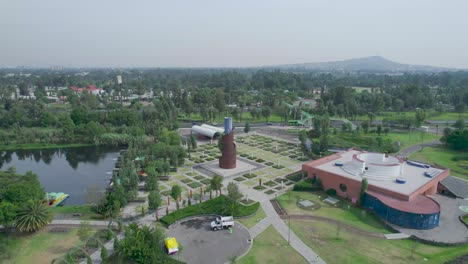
218 205
304 186
297 176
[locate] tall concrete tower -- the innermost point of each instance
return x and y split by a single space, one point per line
227 146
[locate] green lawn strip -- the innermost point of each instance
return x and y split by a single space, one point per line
447 116
337 245
270 247
206 181
86 211
43 245
443 156
361 140
218 205
354 216
251 221
194 184
40 146
199 177
187 181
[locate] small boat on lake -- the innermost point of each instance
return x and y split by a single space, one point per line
55 199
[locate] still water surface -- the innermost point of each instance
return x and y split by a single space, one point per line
82 172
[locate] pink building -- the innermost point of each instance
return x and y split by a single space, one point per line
397 189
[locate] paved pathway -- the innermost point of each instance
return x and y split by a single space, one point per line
396 236
273 218
260 227
415 148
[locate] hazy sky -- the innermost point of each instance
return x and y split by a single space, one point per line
195 33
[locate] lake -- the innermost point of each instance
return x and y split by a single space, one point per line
82 172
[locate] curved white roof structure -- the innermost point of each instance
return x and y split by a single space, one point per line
217 129
206 131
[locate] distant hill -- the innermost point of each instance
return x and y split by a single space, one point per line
366 64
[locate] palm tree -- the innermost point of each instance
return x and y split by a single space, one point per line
216 183
34 216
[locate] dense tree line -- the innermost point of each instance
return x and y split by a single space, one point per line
205 94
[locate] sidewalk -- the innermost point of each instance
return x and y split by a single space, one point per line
273 218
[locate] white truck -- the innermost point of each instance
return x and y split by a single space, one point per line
222 222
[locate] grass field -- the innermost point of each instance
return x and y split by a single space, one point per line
361 140
270 247
246 117
336 245
86 211
254 219
41 247
443 157
430 115
353 216
40 146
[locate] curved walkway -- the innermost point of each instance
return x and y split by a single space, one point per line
406 152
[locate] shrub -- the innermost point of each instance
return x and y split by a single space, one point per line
104 253
297 176
216 205
331 191
305 186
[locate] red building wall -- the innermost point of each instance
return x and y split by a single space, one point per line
332 181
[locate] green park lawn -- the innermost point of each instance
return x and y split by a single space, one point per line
361 140
430 115
86 211
443 157
40 247
254 219
343 212
40 146
447 116
270 247
246 117
337 245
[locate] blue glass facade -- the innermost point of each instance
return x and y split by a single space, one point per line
401 218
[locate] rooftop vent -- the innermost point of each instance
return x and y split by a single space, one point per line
417 164
400 180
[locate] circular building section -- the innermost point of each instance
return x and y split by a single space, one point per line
420 213
379 166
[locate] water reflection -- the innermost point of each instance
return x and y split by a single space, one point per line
70 170
74 156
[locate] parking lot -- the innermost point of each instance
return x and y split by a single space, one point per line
201 245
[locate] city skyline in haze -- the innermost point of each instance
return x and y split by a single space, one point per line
230 33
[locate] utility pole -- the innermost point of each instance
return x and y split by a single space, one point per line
289 230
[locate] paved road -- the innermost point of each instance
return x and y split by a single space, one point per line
201 245
415 148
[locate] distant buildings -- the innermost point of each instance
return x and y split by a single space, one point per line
91 89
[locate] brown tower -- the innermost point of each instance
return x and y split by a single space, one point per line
227 146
